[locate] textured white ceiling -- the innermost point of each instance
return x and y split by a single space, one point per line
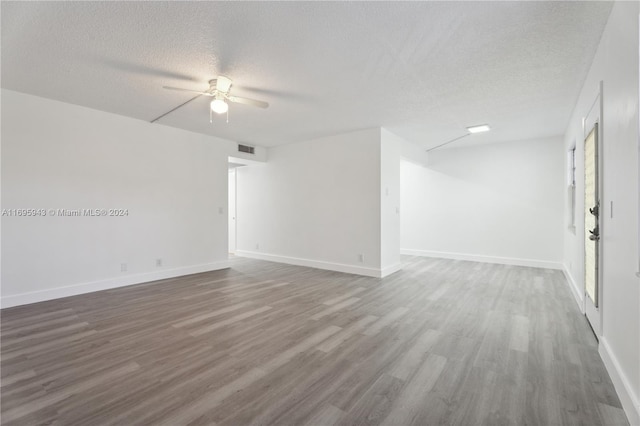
424 70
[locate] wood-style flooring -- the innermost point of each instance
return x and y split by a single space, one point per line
441 342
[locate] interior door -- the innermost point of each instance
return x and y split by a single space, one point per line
592 229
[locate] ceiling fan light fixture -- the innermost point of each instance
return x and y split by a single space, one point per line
219 91
219 106
479 129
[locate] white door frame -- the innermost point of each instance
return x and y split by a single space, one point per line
638 273
232 204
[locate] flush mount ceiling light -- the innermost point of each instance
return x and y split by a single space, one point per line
479 129
470 130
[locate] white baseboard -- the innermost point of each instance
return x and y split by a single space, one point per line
331 266
534 263
390 270
76 289
573 286
630 401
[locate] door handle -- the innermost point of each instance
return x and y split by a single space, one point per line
595 234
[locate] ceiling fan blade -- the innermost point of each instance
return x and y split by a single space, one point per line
247 101
187 90
179 106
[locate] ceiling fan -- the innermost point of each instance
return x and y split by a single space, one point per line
219 90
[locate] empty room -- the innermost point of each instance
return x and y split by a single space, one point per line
320 213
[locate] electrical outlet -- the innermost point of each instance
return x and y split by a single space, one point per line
361 258
123 267
158 262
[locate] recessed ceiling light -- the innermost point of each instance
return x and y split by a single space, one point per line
479 129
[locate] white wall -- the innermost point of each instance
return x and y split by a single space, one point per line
62 156
616 65
315 203
498 203
390 148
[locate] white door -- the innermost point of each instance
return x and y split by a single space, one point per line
232 211
592 212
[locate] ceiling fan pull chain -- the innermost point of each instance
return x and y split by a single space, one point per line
227 116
